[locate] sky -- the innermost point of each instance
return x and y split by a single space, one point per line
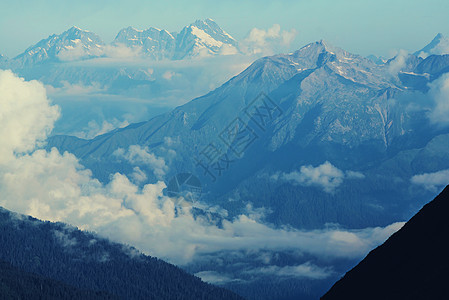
360 26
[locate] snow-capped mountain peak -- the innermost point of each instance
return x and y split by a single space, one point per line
72 44
203 38
216 32
438 46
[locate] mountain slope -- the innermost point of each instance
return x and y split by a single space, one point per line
326 105
85 261
17 284
72 44
411 264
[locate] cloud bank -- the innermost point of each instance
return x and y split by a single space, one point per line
56 187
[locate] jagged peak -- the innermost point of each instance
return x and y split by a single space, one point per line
207 21
439 36
430 48
322 46
76 29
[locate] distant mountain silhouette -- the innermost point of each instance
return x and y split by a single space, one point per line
412 264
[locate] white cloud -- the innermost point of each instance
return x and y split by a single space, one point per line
398 63
121 51
354 175
116 51
228 50
68 89
439 93
94 129
213 277
141 155
138 175
59 188
306 270
267 42
73 53
326 176
64 239
26 116
168 75
432 181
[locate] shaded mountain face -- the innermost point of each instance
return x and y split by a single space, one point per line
73 44
317 104
87 262
18 284
412 264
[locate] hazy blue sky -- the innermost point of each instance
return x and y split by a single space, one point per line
359 26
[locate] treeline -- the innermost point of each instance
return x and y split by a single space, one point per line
17 284
85 261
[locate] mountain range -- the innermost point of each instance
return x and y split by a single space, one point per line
307 140
199 39
317 104
411 264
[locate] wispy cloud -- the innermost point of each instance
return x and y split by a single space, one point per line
269 41
94 129
398 63
439 93
306 270
432 181
142 155
325 176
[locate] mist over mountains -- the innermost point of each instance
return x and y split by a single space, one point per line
69 263
200 39
140 74
302 162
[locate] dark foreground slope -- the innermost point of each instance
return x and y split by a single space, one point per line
412 264
85 261
17 284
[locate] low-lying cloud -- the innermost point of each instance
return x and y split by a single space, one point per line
267 42
398 63
53 186
325 176
439 93
432 181
306 270
94 129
